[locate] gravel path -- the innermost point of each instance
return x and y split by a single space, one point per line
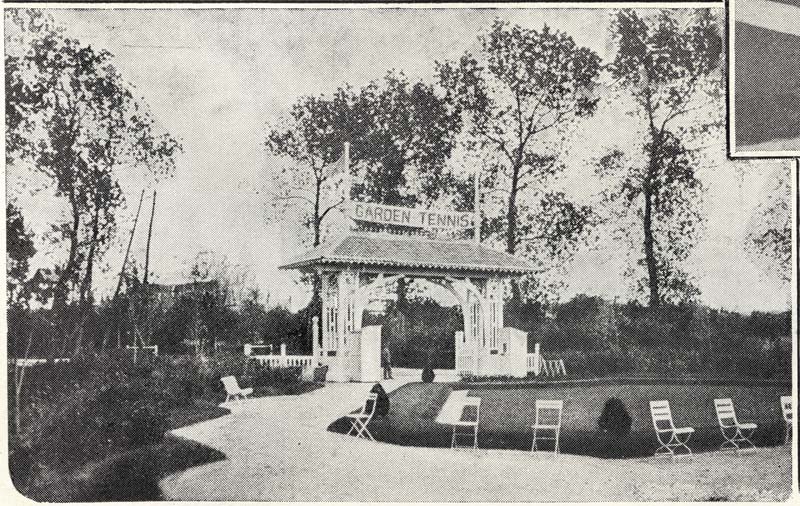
278 449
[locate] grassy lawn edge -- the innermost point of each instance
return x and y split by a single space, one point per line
507 412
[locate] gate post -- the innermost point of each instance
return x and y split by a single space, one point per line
370 353
315 340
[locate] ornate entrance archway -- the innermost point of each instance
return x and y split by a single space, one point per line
355 265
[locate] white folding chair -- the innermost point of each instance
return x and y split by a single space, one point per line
548 419
467 423
788 414
670 437
736 434
360 419
233 390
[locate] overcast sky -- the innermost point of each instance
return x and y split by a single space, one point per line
215 78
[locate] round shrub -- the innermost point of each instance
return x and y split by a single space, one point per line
382 403
427 374
615 419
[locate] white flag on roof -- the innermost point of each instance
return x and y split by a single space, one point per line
343 163
340 170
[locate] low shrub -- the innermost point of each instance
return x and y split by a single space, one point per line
615 419
109 417
261 376
427 374
382 402
614 426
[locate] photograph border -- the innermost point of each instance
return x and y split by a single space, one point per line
733 151
10 493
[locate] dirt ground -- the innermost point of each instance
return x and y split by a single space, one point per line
277 449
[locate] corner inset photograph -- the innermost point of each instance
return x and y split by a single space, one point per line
765 77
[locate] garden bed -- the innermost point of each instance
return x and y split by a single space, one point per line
507 411
126 476
121 411
123 474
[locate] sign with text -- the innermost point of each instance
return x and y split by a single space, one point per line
410 217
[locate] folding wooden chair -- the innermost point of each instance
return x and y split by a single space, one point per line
548 419
736 434
360 420
467 423
670 437
232 389
788 414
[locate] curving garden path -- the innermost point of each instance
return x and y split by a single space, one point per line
278 449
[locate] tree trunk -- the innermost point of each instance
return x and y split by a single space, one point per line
86 285
315 307
649 248
511 214
647 221
402 298
61 290
19 377
511 245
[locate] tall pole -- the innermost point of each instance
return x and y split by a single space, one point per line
149 236
348 178
477 206
128 249
145 282
124 265
347 157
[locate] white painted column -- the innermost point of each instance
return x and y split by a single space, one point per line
315 347
359 301
348 346
494 320
330 314
347 285
370 354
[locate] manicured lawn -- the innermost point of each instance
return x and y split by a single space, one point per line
508 411
411 417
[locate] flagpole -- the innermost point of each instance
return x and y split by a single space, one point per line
347 157
477 207
348 180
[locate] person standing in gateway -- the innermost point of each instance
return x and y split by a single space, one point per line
386 362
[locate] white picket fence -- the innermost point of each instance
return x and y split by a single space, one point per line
274 361
28 362
280 361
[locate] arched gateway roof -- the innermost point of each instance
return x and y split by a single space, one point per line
395 252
